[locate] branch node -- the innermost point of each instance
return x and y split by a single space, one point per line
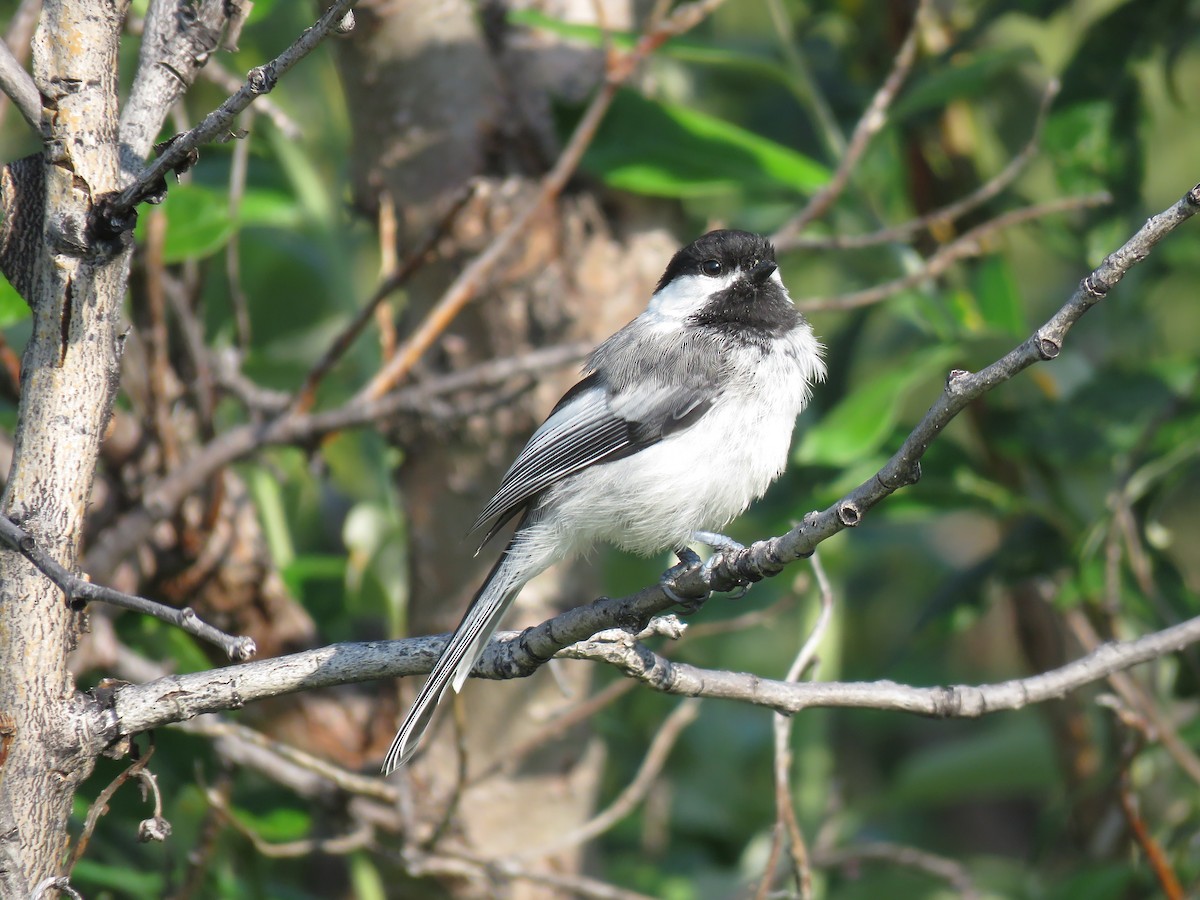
261 79
954 379
153 829
108 221
1193 196
849 513
1048 348
1092 288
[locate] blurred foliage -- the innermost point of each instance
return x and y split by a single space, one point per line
1081 475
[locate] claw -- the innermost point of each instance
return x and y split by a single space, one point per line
688 560
721 543
717 541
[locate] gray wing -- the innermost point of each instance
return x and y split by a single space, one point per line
592 425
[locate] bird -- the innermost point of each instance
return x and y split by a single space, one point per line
680 420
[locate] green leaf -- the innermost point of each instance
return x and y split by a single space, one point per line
268 498
198 222
959 77
980 765
366 878
860 424
1078 138
130 881
998 297
666 150
13 307
684 48
278 824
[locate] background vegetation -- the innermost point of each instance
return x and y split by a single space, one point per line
1060 509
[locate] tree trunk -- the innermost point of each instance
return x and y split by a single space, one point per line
69 377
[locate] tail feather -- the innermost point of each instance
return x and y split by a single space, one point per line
469 641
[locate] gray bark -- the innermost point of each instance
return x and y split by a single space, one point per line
69 375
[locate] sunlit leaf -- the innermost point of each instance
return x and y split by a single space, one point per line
968 75
998 297
13 308
667 150
859 424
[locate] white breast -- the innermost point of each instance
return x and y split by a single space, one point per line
696 479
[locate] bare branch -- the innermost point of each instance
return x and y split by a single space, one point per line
956 701
970 244
785 813
769 557
174 47
259 81
100 805
950 871
18 85
164 497
137 708
389 285
870 124
626 802
263 106
949 213
79 591
350 782
472 278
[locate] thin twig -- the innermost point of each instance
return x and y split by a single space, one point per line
390 284
635 792
1133 694
344 780
357 838
77 591
785 813
165 496
260 80
971 243
18 85
948 213
1168 881
472 278
869 124
100 805
264 106
949 870
239 167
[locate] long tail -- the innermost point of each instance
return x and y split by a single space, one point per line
508 576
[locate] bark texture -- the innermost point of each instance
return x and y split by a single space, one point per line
69 375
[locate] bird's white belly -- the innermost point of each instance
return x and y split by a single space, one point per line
696 479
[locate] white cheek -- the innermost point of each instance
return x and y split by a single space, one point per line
685 296
778 279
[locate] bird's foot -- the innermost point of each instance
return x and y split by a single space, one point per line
688 560
722 543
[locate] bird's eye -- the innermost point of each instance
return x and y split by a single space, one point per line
711 267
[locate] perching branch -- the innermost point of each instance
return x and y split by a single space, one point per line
139 707
79 591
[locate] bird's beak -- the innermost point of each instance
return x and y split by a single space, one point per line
762 271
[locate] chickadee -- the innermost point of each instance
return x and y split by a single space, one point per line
683 417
